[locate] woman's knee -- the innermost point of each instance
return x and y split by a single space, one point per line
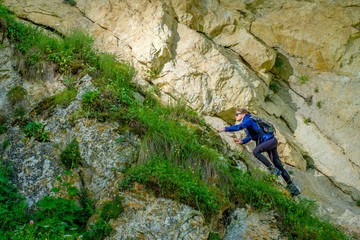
256 152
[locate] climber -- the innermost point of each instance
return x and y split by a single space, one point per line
265 142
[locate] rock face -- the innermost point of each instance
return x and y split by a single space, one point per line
221 55
147 217
252 225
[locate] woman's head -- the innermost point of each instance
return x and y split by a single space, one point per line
240 114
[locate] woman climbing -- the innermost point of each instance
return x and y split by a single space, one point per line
265 142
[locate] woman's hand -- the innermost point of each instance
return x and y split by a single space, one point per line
220 130
238 141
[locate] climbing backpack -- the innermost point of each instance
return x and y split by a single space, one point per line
263 124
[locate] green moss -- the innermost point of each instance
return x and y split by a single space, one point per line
47 106
16 94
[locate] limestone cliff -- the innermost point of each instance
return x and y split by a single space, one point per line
295 63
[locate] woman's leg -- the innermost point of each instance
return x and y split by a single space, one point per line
274 156
265 147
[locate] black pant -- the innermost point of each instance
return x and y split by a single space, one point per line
270 146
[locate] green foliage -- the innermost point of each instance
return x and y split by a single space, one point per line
303 78
274 87
12 205
101 229
358 203
63 215
90 97
316 90
3 129
177 182
214 236
112 209
16 94
70 157
36 130
153 73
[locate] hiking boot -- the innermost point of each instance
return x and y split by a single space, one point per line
294 191
274 170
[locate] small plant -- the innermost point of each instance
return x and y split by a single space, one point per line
358 203
3 129
70 157
278 62
6 144
316 90
19 112
112 209
318 104
291 172
16 94
90 96
309 162
36 130
214 236
71 2
274 87
153 73
307 120
303 78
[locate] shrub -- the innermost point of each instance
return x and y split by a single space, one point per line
70 157
16 94
36 130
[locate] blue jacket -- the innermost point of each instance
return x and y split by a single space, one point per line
252 130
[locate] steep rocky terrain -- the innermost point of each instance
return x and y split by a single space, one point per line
294 63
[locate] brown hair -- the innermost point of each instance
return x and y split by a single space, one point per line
243 111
